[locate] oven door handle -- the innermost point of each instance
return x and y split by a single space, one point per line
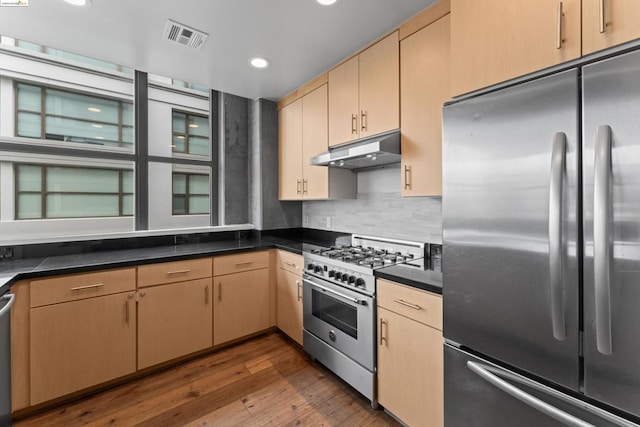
331 291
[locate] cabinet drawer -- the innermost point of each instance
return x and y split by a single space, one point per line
177 271
244 261
415 304
80 286
290 262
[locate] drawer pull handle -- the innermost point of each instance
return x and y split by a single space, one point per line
299 290
178 272
290 264
559 38
206 295
363 120
220 291
602 21
408 304
407 177
240 264
354 123
82 288
126 311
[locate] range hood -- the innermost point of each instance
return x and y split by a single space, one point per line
382 149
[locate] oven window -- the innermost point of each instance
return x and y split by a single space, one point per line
338 314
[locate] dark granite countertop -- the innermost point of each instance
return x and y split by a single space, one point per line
14 270
426 280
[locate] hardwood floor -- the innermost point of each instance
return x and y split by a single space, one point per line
265 381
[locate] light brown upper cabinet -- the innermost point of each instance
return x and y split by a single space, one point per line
364 95
496 40
303 134
607 23
424 87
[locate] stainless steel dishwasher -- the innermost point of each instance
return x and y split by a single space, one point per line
6 301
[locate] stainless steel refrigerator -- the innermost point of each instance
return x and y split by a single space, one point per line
541 257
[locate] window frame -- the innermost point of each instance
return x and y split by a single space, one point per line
188 193
186 133
43 114
44 193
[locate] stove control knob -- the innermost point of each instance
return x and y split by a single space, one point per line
318 269
310 266
332 273
345 277
352 279
360 282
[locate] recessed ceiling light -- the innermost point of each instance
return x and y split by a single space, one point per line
79 2
94 109
327 2
260 62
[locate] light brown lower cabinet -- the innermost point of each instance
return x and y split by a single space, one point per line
78 344
289 302
410 355
174 320
241 304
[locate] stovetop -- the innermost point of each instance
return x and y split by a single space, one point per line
364 256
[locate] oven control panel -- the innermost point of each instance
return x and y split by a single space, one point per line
341 276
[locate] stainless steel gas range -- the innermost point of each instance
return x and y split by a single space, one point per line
339 304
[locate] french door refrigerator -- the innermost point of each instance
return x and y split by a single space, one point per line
541 257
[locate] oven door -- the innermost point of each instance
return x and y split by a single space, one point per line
341 318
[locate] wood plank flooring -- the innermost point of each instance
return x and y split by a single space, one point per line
265 381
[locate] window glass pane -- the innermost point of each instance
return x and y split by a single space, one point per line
29 206
81 205
179 205
179 183
82 180
199 184
179 121
178 143
198 204
29 178
29 45
81 106
199 146
29 98
127 136
127 181
199 126
127 114
71 130
28 125
127 205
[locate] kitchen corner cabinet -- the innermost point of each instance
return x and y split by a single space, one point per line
81 333
303 134
174 320
495 40
424 87
289 294
364 93
607 23
410 354
241 295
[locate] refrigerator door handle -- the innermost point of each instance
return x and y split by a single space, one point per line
555 236
526 398
602 239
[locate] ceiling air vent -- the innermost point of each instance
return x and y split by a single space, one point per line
184 35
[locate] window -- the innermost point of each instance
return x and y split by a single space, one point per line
54 114
190 134
43 191
190 194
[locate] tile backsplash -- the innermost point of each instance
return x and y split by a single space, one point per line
379 210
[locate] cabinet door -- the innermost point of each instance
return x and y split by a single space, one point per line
607 23
174 320
289 302
380 87
424 87
80 344
496 40
241 304
315 130
410 369
343 103
290 151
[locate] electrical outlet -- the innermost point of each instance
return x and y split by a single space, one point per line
6 252
328 222
305 220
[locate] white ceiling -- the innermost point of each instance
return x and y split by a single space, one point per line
299 37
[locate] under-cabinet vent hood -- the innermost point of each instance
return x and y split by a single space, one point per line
375 151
